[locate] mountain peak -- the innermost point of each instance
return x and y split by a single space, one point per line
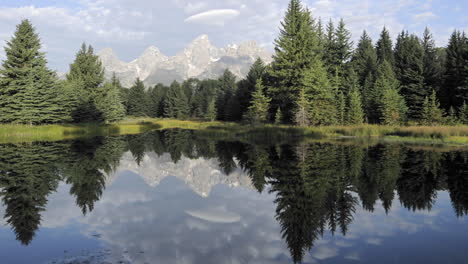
107 52
202 40
151 51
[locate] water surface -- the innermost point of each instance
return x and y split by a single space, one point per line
179 197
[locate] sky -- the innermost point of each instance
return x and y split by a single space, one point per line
130 26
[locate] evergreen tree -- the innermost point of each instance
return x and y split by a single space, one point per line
303 108
86 75
355 113
321 95
258 108
123 92
463 113
247 86
211 110
278 116
29 91
393 107
137 100
364 60
87 68
343 46
384 48
433 72
329 56
69 96
340 108
295 52
156 97
431 112
227 89
455 89
109 103
452 119
385 80
409 66
176 103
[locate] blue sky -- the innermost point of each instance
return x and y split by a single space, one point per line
129 26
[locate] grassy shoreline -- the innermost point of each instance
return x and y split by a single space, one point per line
457 135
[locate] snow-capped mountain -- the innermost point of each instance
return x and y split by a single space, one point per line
200 59
201 174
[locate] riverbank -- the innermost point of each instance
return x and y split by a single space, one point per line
417 134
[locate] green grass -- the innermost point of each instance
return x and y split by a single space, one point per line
417 134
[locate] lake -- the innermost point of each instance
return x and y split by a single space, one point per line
179 196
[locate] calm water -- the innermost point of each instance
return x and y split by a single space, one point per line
173 197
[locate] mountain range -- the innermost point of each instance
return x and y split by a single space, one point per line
201 175
200 59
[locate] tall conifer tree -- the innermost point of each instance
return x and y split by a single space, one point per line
28 89
455 89
137 100
295 52
384 48
409 66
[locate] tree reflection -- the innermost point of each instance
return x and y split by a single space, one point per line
27 176
317 186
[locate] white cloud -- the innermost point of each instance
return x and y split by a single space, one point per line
214 17
424 16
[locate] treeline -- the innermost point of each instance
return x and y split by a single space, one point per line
317 77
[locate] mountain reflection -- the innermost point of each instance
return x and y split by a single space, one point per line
318 186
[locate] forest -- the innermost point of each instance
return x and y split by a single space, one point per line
318 77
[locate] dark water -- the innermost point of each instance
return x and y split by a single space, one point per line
175 197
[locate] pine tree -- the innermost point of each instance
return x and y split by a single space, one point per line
28 89
409 66
109 103
364 59
227 89
87 68
137 100
301 117
258 108
247 86
431 112
69 96
340 108
463 113
433 72
385 80
321 95
455 89
343 46
393 107
176 103
355 113
86 75
278 116
329 57
452 118
384 48
211 110
295 52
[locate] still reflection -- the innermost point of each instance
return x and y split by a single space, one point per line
318 187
